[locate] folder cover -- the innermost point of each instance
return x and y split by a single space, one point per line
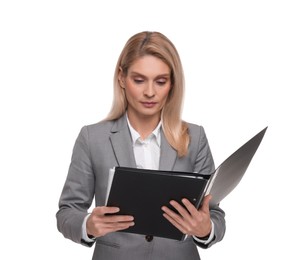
141 192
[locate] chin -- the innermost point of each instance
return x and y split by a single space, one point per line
150 113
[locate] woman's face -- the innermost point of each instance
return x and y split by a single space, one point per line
147 85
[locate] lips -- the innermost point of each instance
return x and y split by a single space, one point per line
149 104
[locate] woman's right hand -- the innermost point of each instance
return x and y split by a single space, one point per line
102 221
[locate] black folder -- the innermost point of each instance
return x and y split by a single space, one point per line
141 192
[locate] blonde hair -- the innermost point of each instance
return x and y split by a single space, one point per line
158 45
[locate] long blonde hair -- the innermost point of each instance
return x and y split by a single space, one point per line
158 45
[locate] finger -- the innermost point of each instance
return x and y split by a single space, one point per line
206 203
105 228
118 225
182 211
118 218
106 214
189 206
172 214
125 226
105 210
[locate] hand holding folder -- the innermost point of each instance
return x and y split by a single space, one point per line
141 193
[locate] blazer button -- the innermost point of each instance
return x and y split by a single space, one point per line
149 238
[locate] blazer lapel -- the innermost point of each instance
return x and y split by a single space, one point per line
120 139
168 155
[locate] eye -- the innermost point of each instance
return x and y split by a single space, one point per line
138 80
161 82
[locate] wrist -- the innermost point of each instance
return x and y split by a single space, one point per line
204 237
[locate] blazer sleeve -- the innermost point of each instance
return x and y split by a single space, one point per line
78 191
204 164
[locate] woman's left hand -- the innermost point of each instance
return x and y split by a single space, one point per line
190 220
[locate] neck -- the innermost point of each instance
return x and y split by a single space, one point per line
144 125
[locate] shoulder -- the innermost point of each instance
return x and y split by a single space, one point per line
194 127
195 130
105 127
97 129
197 134
100 126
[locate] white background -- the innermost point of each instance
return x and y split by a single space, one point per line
56 69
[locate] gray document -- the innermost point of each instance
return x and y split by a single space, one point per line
230 172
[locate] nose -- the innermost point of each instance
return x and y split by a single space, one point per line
149 90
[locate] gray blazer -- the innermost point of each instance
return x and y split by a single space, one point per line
104 145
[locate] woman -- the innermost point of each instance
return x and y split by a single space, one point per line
144 129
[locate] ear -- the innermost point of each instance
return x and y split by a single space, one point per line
121 78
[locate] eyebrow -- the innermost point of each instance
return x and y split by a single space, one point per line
134 73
